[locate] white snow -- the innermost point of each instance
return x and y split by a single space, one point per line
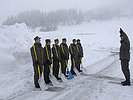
98 40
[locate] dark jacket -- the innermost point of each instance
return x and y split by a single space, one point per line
45 56
125 47
39 53
80 49
54 52
64 55
74 52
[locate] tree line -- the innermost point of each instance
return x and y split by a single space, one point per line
49 21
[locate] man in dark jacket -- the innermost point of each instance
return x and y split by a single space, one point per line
47 61
56 58
74 56
125 56
37 57
64 55
80 53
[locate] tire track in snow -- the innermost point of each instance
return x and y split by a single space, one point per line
109 67
92 79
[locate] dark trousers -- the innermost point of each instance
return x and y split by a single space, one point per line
79 63
76 65
56 68
46 73
63 66
36 75
125 69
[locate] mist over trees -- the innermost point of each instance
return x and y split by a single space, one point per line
49 21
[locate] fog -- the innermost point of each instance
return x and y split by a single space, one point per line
13 7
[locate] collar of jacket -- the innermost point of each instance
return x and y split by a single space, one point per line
55 45
78 43
48 46
74 44
38 44
63 44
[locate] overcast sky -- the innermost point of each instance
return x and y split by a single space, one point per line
13 7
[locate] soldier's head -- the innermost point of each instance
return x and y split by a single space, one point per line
48 42
56 41
74 41
37 39
78 41
64 40
121 34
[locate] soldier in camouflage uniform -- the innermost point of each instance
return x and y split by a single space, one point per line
80 53
56 59
47 61
64 55
74 56
38 61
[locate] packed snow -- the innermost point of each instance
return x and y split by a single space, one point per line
99 40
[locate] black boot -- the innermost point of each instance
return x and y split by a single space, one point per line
66 75
59 79
50 84
123 82
126 83
73 73
80 71
37 86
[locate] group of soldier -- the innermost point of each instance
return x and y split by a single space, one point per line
57 56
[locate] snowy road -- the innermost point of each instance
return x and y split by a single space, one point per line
96 85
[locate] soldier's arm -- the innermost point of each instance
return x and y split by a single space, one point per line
32 55
70 50
59 54
61 51
44 55
127 47
67 53
54 53
82 51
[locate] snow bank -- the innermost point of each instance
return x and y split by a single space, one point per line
15 37
14 40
